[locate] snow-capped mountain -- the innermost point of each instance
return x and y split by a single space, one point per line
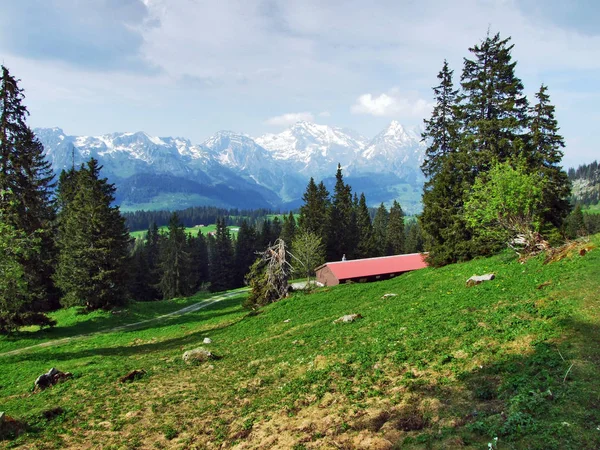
232 169
396 149
313 150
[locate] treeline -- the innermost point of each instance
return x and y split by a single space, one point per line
175 263
587 177
196 215
486 144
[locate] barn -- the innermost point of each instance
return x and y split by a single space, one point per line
369 269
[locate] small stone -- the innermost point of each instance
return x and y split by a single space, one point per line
348 318
384 296
478 279
287 320
198 355
207 341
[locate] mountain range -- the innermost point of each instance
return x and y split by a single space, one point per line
237 171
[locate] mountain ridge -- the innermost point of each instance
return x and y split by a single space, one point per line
273 169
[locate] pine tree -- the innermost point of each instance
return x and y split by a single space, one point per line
341 231
245 251
27 181
441 131
93 242
222 268
494 111
380 226
198 271
288 230
313 213
545 156
414 237
365 247
175 261
395 230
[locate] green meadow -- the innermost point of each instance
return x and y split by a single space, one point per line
511 363
190 230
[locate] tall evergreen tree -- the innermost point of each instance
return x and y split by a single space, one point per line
441 131
175 261
27 181
395 230
93 242
198 271
313 213
380 226
245 251
545 156
494 110
365 248
222 268
288 230
342 235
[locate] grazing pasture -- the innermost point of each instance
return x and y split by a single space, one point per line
437 365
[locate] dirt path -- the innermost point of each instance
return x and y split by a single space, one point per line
130 326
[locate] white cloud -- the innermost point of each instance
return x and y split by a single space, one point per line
285 120
392 104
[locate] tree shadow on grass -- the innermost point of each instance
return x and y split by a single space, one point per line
127 349
105 324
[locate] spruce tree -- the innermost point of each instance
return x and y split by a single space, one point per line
441 131
27 181
245 251
395 230
494 110
93 242
365 247
313 213
175 261
545 155
222 268
341 231
198 271
288 230
380 226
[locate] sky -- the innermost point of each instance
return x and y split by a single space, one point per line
190 68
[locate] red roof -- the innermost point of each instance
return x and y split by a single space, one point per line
358 268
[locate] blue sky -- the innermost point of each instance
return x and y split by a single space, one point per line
192 67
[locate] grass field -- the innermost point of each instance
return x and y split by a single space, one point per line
439 365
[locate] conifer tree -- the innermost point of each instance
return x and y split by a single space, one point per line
313 213
27 182
395 230
198 270
288 230
175 261
545 155
441 131
365 248
245 251
494 111
414 237
222 268
93 242
380 226
342 235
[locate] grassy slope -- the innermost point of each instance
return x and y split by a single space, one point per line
440 365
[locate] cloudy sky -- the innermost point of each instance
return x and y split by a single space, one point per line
192 67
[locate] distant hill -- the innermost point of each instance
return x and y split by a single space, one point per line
586 183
